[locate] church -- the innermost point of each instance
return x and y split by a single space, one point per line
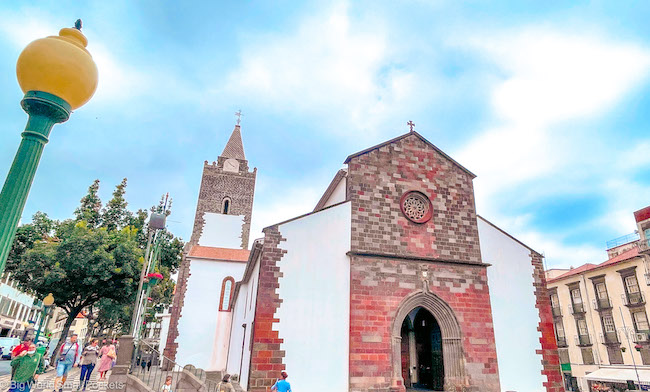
392 282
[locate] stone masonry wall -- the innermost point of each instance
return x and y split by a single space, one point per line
389 252
215 186
549 351
378 287
378 179
266 356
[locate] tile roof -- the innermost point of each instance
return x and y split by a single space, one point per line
642 214
208 252
628 254
234 148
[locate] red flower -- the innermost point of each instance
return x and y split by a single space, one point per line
155 275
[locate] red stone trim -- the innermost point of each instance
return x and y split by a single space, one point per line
267 359
549 351
223 290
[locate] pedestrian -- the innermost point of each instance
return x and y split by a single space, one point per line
21 347
89 357
24 346
107 355
28 365
69 356
225 385
167 386
282 385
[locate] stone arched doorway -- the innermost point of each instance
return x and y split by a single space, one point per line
434 344
421 351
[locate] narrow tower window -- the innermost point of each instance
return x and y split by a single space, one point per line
225 206
226 294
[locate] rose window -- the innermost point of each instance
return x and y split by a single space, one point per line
416 207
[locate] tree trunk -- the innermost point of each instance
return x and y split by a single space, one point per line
64 335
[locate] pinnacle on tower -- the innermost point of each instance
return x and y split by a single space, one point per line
234 148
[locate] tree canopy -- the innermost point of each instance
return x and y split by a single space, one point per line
93 261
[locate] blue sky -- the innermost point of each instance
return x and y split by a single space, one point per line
547 103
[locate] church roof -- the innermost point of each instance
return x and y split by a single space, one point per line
234 148
226 254
378 146
330 189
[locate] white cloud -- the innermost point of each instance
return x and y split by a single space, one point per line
343 71
549 78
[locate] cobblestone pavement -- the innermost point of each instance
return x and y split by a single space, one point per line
46 382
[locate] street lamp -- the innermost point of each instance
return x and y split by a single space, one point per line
47 304
57 75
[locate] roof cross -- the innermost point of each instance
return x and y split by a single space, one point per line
238 114
411 124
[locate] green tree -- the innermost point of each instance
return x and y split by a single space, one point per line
115 215
70 258
91 206
110 314
80 266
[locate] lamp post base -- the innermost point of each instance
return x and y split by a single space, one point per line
44 110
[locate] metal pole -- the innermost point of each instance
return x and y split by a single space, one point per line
44 111
630 347
145 293
40 324
142 274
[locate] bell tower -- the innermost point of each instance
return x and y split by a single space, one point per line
225 205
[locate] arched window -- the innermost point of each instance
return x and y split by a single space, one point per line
226 294
225 205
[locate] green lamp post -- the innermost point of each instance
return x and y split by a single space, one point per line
57 75
47 304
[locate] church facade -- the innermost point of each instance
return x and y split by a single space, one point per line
388 284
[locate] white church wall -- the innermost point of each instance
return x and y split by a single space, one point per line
222 231
239 356
513 310
339 194
200 321
165 319
314 317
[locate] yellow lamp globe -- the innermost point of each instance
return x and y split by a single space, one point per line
49 300
59 65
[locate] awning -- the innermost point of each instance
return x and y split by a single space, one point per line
619 375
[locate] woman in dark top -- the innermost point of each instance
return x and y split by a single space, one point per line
88 360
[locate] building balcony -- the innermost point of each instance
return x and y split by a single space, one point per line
561 341
602 303
557 311
583 340
633 299
577 308
644 246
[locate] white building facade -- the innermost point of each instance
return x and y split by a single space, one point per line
415 312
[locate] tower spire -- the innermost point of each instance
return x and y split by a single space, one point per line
234 148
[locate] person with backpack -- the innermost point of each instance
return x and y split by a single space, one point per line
69 356
282 385
225 385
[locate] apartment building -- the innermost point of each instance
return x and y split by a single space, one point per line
19 312
600 315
